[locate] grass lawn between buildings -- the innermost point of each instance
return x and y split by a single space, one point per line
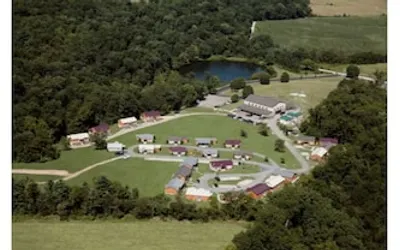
123 235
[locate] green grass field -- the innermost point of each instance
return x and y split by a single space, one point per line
37 178
365 69
353 7
143 235
345 34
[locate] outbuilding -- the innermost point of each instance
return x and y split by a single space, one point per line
145 138
210 153
148 148
242 155
221 165
318 154
274 181
78 139
115 147
258 191
151 116
173 186
232 143
197 194
127 122
178 151
176 140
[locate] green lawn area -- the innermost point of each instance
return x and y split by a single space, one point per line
221 127
143 235
365 69
37 178
197 110
344 34
72 160
231 106
315 90
149 177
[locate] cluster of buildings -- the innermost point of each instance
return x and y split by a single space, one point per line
319 147
82 139
291 119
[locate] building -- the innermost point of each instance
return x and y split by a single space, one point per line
173 186
190 161
221 165
327 141
290 177
184 172
100 129
127 122
258 191
319 154
262 106
305 140
178 151
148 148
241 155
151 116
115 147
78 139
274 181
232 143
210 153
175 140
145 138
286 120
197 194
205 142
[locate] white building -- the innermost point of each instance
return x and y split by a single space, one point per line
197 194
274 181
115 147
127 122
318 153
78 139
148 148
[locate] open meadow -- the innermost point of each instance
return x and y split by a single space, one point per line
143 235
348 7
365 69
342 34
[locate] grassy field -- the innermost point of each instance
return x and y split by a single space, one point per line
315 90
220 127
143 235
365 69
37 178
345 34
71 160
348 7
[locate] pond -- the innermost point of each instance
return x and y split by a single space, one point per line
224 70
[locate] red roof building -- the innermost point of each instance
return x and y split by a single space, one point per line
258 191
150 116
221 165
232 143
101 128
178 150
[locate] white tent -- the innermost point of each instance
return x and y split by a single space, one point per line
274 180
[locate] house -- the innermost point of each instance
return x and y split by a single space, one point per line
241 155
151 116
305 140
210 153
184 172
258 191
290 177
100 129
262 105
318 154
78 139
148 148
190 161
232 143
173 186
115 147
178 151
221 165
205 142
274 181
197 194
127 122
177 140
327 141
145 138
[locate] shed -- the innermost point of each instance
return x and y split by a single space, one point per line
173 186
259 190
274 181
318 153
115 147
210 153
178 150
127 121
78 139
198 194
145 138
221 165
232 143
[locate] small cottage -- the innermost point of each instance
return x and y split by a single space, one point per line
78 139
221 165
241 155
197 194
145 138
151 116
178 151
258 191
275 181
210 153
127 122
176 140
148 148
232 144
115 147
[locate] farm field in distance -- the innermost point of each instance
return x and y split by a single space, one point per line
103 235
365 69
353 7
336 33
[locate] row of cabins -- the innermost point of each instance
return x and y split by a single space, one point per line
272 183
321 146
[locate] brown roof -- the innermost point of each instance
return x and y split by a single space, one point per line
232 142
100 128
178 149
152 113
259 188
221 163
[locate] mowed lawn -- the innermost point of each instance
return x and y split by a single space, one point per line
149 177
37 178
365 69
342 34
72 160
220 127
349 7
141 235
315 90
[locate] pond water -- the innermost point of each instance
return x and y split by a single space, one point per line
224 70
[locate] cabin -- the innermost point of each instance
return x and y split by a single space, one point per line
184 172
145 138
305 140
232 144
190 161
241 155
100 129
148 148
275 181
210 153
290 177
258 191
319 154
327 142
197 194
205 142
151 116
178 151
115 147
173 186
176 140
127 122
221 165
78 139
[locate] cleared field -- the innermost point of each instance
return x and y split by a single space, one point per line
36 177
365 69
342 34
315 90
72 160
146 235
220 127
349 7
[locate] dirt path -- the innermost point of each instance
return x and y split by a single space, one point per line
41 172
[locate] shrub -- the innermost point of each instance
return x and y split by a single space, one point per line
234 98
285 77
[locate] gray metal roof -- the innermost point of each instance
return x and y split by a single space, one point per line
264 100
184 171
145 136
305 138
191 161
254 110
175 183
285 173
210 151
204 140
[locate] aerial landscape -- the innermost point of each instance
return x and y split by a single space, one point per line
202 124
